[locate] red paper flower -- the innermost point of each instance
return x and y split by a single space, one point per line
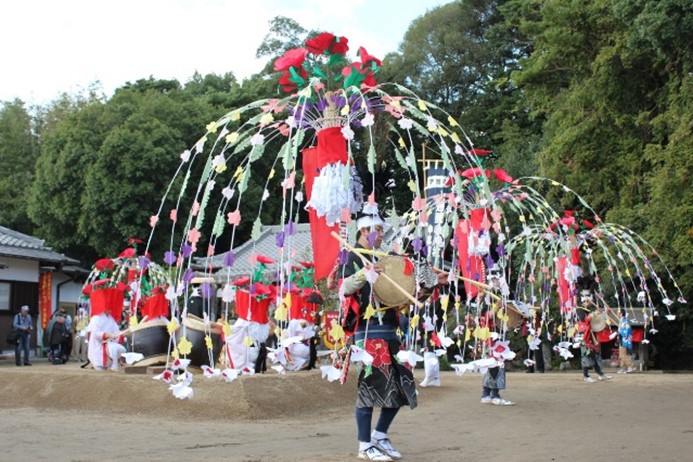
128 253
480 152
356 75
502 175
104 264
367 59
261 289
264 260
289 82
327 43
474 172
292 58
241 281
378 348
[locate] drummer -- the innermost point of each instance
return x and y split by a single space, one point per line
590 356
389 385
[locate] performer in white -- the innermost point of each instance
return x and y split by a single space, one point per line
104 350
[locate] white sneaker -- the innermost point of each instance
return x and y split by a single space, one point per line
588 379
386 446
630 369
486 400
501 402
604 377
621 371
374 453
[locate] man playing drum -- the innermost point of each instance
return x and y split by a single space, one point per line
589 347
390 385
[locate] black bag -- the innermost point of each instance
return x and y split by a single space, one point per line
13 337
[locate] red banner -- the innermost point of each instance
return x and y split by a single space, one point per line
45 298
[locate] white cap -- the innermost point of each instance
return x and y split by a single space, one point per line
25 308
369 217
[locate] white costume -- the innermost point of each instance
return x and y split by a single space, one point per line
103 355
299 353
243 356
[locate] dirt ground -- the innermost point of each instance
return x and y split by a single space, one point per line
64 413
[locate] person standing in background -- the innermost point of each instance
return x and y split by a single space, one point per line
23 325
79 335
625 347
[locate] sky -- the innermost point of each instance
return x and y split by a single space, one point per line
50 47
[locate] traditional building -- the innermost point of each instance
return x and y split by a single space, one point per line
32 274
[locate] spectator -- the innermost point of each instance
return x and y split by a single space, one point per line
625 348
79 335
59 340
23 325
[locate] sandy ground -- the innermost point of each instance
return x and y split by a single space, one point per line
64 413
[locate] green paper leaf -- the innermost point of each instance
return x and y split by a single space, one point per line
371 159
218 224
257 229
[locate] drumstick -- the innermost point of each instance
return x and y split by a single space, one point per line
487 288
128 330
388 278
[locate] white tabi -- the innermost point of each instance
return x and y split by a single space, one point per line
103 352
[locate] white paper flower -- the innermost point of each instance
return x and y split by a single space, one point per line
534 344
405 123
132 358
565 353
347 133
367 120
330 373
210 372
359 354
181 390
227 193
670 317
185 155
409 357
229 375
257 139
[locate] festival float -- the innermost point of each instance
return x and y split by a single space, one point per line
484 227
133 289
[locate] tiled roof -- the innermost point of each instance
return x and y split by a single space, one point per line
18 245
298 244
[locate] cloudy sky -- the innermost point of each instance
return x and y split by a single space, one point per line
54 46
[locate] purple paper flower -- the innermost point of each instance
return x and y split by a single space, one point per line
343 257
279 239
143 262
186 250
417 244
290 228
371 238
500 250
170 257
206 290
229 258
188 275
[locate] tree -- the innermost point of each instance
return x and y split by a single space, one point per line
19 148
615 94
71 135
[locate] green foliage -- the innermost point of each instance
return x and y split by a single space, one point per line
19 147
